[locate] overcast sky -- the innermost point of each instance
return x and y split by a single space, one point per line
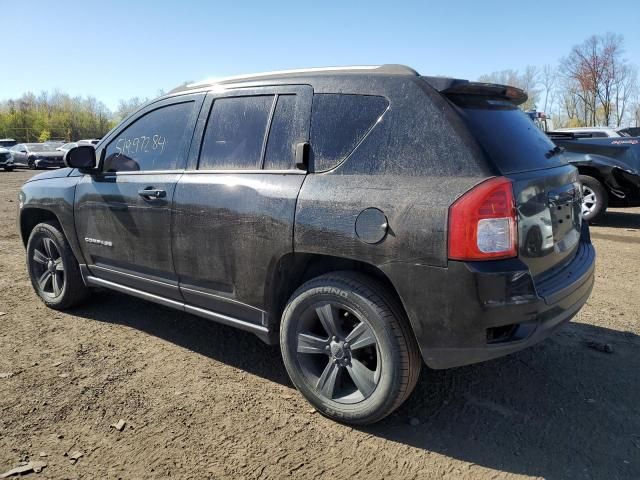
121 49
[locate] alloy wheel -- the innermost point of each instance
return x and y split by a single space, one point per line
338 353
589 200
48 268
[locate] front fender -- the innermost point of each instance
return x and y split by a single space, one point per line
53 196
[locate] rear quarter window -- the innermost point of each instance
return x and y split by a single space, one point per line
338 123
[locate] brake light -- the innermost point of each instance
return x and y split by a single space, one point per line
483 222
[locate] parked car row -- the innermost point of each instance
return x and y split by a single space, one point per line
36 155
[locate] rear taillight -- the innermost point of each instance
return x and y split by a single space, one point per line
483 222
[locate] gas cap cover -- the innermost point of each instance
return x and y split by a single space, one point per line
371 226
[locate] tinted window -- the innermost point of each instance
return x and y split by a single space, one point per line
598 134
235 133
156 141
285 132
338 123
508 136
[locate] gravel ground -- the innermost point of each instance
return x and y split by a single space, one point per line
202 400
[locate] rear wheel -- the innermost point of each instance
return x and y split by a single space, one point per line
8 169
53 269
31 164
348 348
594 199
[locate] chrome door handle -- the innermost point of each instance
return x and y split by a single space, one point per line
152 193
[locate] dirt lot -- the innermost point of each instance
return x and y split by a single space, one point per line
201 400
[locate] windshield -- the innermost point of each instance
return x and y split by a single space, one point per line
36 147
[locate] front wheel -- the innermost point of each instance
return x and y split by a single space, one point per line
594 199
31 164
348 348
8 169
53 269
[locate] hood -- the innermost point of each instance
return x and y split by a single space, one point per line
60 172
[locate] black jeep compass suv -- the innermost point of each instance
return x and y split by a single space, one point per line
366 218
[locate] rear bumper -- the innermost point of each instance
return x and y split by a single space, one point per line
477 311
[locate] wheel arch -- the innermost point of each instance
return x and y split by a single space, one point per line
592 172
30 217
294 269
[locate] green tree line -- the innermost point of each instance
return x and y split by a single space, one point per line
58 116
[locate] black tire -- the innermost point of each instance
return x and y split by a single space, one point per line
53 269
31 164
329 372
8 169
595 201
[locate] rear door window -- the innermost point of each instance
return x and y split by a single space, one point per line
285 132
338 123
235 133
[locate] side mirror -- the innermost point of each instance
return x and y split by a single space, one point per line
82 157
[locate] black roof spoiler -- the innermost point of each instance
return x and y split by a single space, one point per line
455 86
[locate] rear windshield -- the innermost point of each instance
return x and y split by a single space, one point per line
509 137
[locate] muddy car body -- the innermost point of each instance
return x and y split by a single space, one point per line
364 218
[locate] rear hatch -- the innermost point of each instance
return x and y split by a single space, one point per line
546 188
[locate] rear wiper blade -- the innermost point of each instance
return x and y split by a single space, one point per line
554 151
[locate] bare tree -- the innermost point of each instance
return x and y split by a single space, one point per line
548 80
527 81
600 79
625 87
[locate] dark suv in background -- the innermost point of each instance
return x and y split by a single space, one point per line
365 218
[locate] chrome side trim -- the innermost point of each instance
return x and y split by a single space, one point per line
245 172
98 282
259 330
227 320
221 299
135 277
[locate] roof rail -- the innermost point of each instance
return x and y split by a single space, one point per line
391 69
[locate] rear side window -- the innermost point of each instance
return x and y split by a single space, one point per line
155 141
338 123
511 140
284 133
235 133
